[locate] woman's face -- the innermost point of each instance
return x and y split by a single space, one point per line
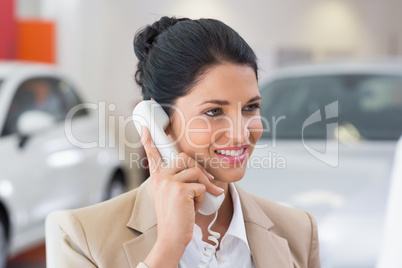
218 121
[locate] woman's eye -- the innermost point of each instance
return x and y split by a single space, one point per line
214 112
252 107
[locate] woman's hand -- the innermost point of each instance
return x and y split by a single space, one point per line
178 190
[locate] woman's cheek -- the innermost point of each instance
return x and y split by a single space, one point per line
198 134
255 127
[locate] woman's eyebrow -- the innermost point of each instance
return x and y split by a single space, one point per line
219 102
225 102
254 99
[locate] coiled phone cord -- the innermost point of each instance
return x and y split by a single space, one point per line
209 250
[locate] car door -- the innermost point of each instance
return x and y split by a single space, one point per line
44 169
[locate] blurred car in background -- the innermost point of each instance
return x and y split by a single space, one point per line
43 163
328 145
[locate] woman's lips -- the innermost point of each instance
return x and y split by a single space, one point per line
233 160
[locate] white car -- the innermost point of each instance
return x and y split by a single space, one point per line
47 162
328 145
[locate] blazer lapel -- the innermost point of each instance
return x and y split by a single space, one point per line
267 248
138 248
143 222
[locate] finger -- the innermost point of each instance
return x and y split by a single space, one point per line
154 158
193 163
183 161
194 175
198 193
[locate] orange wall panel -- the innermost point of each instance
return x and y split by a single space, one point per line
36 41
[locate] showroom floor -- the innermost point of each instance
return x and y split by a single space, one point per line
34 258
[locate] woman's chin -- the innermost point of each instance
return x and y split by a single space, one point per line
229 174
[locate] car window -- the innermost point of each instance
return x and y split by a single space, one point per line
70 98
369 107
34 94
50 95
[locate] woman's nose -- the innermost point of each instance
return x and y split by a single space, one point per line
238 131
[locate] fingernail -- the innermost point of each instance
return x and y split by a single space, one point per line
220 189
210 175
142 134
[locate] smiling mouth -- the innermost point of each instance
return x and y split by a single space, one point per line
233 157
229 153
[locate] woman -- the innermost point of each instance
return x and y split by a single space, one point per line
205 76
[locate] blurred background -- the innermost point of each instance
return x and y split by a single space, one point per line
89 42
92 40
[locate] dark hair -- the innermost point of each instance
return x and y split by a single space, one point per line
174 53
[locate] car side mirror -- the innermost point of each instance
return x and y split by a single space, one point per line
31 122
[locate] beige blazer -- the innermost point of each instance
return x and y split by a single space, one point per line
120 233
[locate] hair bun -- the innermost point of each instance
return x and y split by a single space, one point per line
145 38
174 54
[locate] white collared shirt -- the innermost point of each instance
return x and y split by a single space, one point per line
234 249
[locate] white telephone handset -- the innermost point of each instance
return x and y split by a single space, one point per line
149 113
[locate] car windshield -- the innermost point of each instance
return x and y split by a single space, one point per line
364 107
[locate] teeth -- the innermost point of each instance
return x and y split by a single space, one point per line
231 152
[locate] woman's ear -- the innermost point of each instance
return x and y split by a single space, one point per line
167 130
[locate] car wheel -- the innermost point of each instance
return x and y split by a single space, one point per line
3 243
117 186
